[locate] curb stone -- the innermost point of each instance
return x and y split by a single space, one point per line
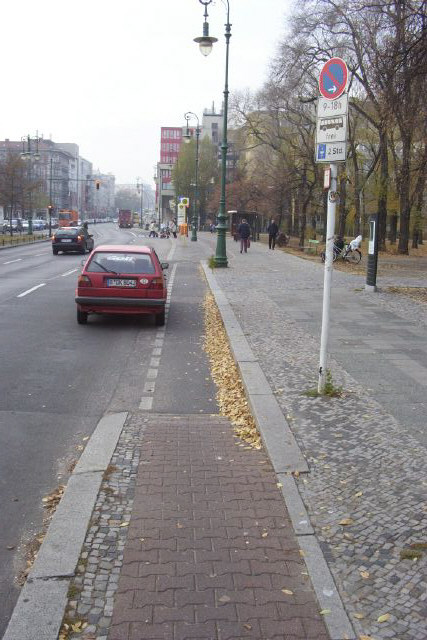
42 601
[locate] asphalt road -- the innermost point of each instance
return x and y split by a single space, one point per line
58 379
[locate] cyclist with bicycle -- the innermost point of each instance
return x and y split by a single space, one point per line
354 245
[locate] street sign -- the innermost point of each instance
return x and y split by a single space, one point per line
332 129
331 152
182 211
337 107
185 201
333 78
327 178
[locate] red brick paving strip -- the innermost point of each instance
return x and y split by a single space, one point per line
210 545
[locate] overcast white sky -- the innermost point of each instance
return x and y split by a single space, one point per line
107 74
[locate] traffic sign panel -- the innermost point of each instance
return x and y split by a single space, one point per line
332 129
337 107
333 78
331 152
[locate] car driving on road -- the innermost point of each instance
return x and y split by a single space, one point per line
118 279
68 239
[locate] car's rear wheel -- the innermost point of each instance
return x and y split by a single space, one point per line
55 252
81 317
160 319
83 249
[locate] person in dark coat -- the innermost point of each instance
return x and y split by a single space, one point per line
273 230
244 232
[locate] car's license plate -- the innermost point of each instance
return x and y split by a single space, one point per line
120 282
66 240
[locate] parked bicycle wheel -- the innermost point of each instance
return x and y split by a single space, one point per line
354 257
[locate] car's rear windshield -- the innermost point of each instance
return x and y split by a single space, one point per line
118 262
67 232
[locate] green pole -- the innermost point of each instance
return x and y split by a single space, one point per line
194 220
221 255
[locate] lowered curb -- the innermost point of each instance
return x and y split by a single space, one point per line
286 458
41 605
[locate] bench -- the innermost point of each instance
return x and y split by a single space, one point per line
312 246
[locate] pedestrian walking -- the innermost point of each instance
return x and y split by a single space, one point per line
273 230
244 232
173 228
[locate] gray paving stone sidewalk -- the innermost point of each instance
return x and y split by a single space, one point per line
366 450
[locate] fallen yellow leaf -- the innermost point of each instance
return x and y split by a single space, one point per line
288 592
358 494
359 616
248 626
324 612
125 524
264 535
279 484
384 617
346 521
364 574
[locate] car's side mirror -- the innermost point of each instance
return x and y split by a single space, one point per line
164 265
90 235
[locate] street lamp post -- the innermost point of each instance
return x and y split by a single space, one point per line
187 138
140 190
28 154
205 44
50 207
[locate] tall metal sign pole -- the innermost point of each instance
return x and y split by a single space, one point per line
331 143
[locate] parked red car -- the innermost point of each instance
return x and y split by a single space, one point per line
122 279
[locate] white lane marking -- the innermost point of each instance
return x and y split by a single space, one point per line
146 403
37 255
134 234
25 293
171 252
11 261
67 273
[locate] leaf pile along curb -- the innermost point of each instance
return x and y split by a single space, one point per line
230 396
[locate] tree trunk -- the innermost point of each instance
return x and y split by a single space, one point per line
342 215
383 191
404 200
392 236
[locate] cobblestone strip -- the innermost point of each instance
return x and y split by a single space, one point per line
91 593
210 551
366 491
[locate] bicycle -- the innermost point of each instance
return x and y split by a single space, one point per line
346 253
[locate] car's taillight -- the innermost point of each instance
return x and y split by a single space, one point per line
53 238
79 238
156 283
84 281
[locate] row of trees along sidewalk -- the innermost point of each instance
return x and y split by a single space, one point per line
183 173
20 190
385 47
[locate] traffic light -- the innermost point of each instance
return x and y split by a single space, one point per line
50 209
97 182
